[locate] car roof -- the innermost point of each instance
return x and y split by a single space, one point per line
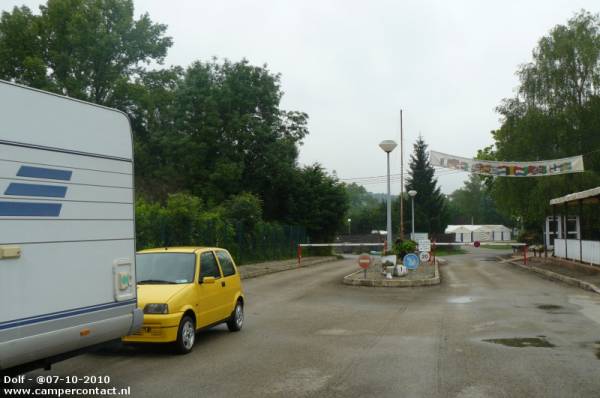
180 249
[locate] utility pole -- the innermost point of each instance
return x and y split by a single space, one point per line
401 181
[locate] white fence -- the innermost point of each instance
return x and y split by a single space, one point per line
589 251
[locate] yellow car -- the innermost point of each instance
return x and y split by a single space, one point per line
184 289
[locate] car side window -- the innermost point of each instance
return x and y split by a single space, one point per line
226 263
208 265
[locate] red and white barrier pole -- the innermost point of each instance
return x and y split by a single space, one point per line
299 255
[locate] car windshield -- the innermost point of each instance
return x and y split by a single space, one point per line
165 268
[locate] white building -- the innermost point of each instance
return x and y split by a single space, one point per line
482 233
571 236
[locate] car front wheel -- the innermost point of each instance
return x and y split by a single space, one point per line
186 335
236 321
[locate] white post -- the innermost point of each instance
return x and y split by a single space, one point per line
389 205
413 217
388 146
412 193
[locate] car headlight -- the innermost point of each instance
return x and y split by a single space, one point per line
156 309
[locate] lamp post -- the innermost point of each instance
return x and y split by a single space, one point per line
412 194
349 225
388 146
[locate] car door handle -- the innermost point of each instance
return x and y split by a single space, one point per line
223 284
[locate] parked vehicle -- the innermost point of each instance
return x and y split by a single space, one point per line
184 289
67 236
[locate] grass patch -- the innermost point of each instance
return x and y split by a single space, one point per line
449 251
497 247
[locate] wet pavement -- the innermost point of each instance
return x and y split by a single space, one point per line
489 330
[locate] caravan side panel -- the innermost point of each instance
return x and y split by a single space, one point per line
67 202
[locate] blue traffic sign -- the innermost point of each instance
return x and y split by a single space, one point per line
411 261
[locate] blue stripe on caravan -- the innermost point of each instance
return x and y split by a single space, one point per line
24 209
49 191
41 172
64 314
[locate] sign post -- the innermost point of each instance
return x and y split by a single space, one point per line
411 261
365 261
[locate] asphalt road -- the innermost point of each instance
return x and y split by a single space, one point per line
307 334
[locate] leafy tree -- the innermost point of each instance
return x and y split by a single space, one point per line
244 208
555 114
430 206
364 210
318 202
212 143
230 135
473 202
86 49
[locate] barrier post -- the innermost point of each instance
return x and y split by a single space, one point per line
299 254
525 249
385 247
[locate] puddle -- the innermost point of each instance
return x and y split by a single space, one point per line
521 342
460 300
549 307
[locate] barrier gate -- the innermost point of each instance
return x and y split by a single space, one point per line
434 244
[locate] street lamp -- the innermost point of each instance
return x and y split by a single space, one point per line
412 193
388 146
349 224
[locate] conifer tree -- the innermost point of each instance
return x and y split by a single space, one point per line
430 203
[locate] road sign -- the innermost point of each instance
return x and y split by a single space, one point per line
476 243
364 261
424 245
424 257
411 261
417 236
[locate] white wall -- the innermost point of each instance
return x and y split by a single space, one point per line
590 250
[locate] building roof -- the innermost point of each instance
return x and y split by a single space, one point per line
453 229
587 196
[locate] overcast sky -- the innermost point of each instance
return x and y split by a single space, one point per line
351 65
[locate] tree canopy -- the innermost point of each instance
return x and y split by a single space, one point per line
86 49
473 203
555 114
213 132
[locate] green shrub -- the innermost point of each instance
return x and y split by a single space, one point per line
401 248
183 221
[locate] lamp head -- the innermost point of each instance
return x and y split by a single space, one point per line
412 193
387 145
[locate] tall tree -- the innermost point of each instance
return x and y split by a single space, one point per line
473 202
555 114
318 201
365 211
230 135
430 206
86 49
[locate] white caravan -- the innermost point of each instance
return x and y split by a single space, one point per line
67 236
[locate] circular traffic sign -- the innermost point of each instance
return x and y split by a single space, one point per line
424 257
411 261
364 261
476 243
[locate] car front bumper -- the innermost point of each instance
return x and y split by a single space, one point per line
157 328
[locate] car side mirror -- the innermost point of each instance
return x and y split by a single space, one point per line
208 279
